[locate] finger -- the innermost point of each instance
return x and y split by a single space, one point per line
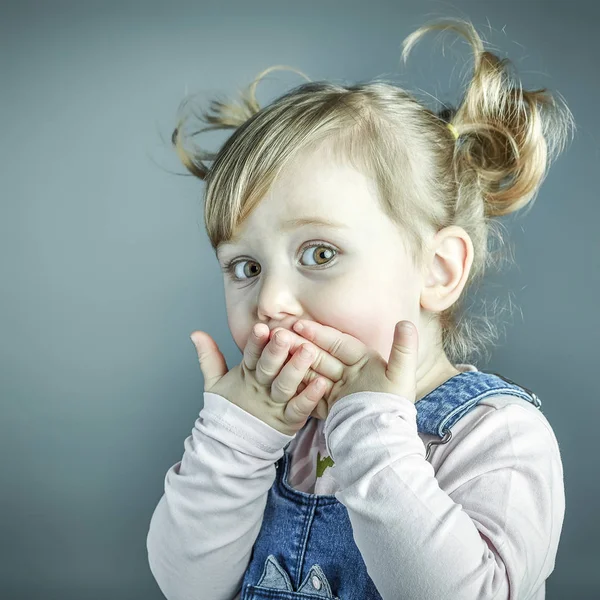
285 385
272 358
310 376
343 346
257 340
402 364
300 407
323 364
325 398
321 410
212 362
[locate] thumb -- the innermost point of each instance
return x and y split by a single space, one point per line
212 362
402 365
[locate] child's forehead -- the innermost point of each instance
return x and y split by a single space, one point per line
316 174
332 193
330 198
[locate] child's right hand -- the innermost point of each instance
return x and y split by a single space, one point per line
259 384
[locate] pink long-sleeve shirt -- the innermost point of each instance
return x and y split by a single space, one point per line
480 519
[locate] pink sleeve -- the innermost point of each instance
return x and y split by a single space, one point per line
485 524
204 526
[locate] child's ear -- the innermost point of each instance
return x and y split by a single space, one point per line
451 257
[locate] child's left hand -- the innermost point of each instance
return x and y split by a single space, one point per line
364 369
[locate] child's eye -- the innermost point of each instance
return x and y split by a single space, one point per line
325 253
323 256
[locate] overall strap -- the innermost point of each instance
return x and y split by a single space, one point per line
439 410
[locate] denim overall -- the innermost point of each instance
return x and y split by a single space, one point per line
305 548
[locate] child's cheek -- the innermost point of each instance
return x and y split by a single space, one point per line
241 335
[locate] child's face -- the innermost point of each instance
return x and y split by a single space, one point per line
363 290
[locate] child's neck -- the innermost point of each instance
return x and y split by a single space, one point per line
433 374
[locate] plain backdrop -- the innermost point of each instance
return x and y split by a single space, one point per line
106 267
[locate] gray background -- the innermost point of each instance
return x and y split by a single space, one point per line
106 268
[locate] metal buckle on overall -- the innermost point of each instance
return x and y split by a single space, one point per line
447 437
448 434
536 401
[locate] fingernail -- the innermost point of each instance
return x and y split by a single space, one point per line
280 339
298 327
407 328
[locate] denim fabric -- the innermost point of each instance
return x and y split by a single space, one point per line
305 548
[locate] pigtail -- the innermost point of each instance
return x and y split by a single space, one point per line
220 115
507 136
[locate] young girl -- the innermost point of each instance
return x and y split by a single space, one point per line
353 210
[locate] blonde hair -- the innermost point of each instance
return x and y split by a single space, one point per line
426 178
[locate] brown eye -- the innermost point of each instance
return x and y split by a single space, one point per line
243 269
250 268
235 273
320 253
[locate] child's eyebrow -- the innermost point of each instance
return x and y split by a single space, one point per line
294 224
